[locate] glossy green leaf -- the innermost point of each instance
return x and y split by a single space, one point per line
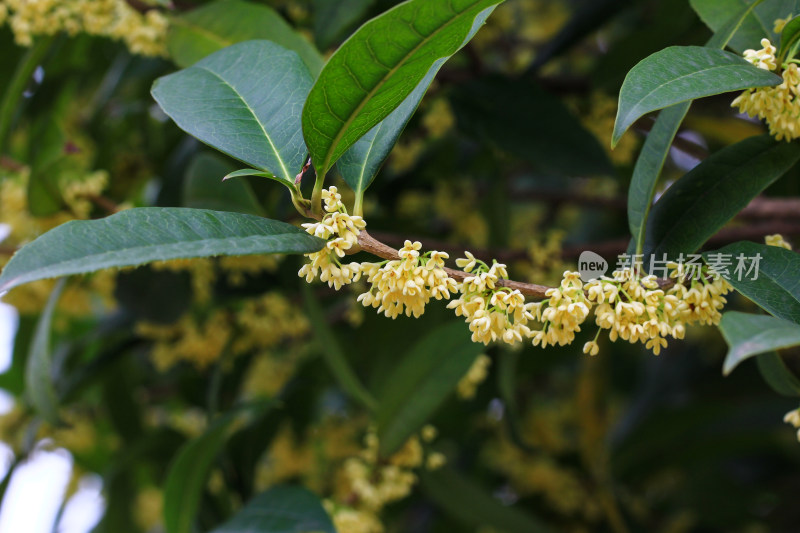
656 147
281 509
207 29
203 187
361 162
711 194
777 375
748 335
777 287
422 381
519 117
187 475
681 73
39 386
244 100
379 66
756 26
474 506
138 236
648 168
332 18
333 353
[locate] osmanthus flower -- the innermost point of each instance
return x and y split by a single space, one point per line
493 312
633 308
406 285
562 314
779 105
793 418
341 231
777 240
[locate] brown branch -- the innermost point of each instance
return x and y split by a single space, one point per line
762 207
8 250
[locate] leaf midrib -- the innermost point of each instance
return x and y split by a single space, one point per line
347 123
255 117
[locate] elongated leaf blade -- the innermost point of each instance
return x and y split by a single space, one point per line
39 386
189 471
748 335
422 381
648 168
203 188
138 236
281 509
207 29
777 286
378 67
711 194
681 73
245 101
361 162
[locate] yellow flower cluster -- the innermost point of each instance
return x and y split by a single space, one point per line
341 231
635 309
80 298
143 34
793 418
477 373
779 105
406 285
367 483
259 325
493 312
562 314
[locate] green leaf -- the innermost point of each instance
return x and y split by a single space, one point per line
789 36
706 198
748 335
473 506
756 26
648 168
532 124
187 475
651 159
244 100
777 288
281 509
379 66
681 73
138 236
207 29
333 354
39 386
422 381
203 187
332 18
778 377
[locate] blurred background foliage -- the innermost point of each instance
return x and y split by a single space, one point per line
508 156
